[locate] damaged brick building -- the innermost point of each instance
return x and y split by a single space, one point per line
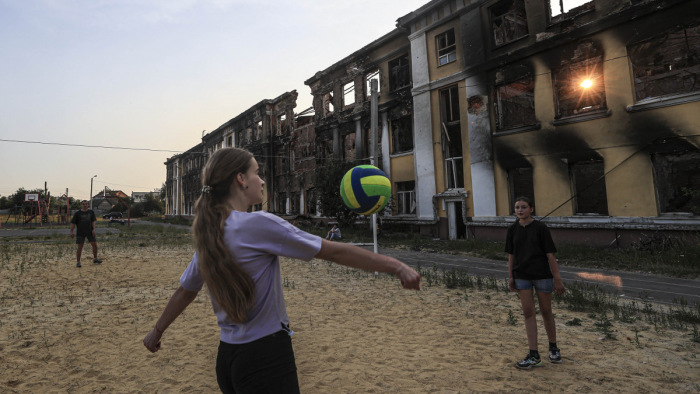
591 108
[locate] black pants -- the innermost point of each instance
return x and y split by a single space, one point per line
263 366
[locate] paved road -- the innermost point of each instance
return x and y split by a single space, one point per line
629 285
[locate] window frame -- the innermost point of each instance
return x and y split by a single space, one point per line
503 17
636 49
404 125
396 71
444 48
500 114
406 198
451 122
593 67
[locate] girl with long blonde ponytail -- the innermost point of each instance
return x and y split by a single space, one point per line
237 256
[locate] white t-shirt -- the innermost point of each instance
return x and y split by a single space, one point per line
256 241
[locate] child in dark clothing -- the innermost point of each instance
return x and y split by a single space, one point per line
531 264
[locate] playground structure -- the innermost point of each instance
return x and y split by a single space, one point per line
40 212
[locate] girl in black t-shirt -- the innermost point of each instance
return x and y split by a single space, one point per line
531 264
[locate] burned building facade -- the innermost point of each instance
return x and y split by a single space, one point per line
265 130
592 109
343 121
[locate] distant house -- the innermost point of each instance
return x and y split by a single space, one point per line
141 196
106 199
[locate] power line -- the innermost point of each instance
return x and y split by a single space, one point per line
91 146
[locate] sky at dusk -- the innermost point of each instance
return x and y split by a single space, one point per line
151 75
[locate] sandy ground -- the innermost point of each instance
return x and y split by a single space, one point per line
64 329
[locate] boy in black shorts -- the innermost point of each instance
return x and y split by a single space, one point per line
85 220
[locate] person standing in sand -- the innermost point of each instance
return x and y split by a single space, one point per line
237 256
532 264
85 220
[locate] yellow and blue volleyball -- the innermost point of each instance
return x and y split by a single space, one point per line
365 189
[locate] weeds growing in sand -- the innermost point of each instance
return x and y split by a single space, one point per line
511 318
605 326
580 297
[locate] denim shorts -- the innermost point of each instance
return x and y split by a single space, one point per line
541 285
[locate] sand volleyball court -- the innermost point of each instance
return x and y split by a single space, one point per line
64 329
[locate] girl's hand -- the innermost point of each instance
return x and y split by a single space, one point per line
152 340
410 279
559 287
511 284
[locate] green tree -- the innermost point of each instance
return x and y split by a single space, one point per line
153 205
5 203
327 183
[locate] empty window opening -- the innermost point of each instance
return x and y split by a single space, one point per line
402 135
446 47
311 203
328 107
589 185
521 185
349 93
677 178
451 137
668 64
399 75
515 104
368 78
406 198
579 86
508 21
558 7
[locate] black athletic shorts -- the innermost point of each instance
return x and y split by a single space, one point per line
80 238
265 365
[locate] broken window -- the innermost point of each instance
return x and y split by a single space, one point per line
257 135
293 203
515 104
588 177
508 21
328 107
399 76
349 93
406 198
282 207
402 135
559 7
668 64
579 86
369 77
521 185
311 202
677 178
451 137
446 47
281 124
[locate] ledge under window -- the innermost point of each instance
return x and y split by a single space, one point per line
667 101
582 117
517 130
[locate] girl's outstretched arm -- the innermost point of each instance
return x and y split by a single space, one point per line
356 257
178 302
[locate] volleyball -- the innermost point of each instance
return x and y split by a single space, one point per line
365 189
